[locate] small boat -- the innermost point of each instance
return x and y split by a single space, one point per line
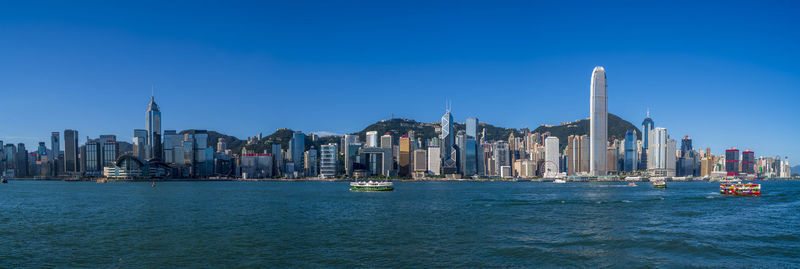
371 186
102 180
632 184
740 189
4 181
659 182
154 184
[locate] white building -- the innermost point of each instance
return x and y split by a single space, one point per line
434 160
598 123
328 160
661 153
551 155
372 139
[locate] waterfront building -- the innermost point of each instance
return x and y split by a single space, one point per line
630 156
153 127
404 157
350 149
92 159
22 161
109 149
277 160
71 162
297 146
173 148
687 160
376 161
501 156
434 160
140 147
131 167
662 153
372 139
707 165
551 159
598 123
505 171
748 162
255 166
577 152
732 162
449 164
420 163
310 159
55 143
329 160
647 126
612 155
469 156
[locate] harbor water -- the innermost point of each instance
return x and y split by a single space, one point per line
420 224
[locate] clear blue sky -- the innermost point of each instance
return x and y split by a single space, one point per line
724 72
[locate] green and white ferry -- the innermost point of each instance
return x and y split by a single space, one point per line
371 186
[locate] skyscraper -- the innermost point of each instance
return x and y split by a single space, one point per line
448 143
298 147
55 143
71 163
630 160
153 126
647 126
372 139
472 127
748 162
140 143
404 158
732 162
328 160
598 123
551 162
386 140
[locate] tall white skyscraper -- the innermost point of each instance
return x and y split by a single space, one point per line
372 139
551 164
598 123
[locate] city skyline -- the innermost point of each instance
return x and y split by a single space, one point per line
708 89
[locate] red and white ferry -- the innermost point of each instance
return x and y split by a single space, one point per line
738 188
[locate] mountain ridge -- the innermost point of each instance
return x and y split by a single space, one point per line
400 126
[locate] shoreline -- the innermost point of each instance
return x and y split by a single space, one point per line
349 180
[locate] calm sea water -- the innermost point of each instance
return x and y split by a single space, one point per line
425 224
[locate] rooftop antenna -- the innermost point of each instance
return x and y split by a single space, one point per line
648 112
153 92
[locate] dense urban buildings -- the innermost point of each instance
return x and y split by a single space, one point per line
453 150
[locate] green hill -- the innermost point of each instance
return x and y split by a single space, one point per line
616 129
398 127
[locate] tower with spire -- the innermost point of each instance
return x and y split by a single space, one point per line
153 127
